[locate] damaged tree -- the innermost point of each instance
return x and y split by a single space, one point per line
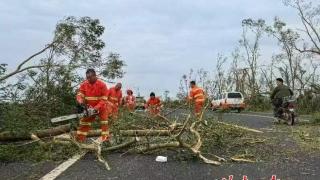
153 137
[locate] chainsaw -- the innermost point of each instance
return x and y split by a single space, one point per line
82 111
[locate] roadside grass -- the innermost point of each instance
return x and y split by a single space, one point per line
306 135
316 118
35 152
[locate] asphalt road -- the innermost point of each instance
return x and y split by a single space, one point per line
306 166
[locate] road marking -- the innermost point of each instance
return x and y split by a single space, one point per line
62 167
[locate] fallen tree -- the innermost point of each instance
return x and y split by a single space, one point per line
137 133
20 136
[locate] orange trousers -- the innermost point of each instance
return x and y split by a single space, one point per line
85 126
113 111
198 106
154 110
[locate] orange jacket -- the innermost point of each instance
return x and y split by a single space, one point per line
114 96
153 102
94 95
197 94
130 100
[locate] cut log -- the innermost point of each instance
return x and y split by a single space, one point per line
121 146
151 147
18 136
146 132
136 133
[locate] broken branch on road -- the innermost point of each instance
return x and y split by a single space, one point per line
143 134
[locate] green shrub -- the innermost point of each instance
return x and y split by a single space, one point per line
316 118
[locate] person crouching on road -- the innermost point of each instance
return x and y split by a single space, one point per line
130 101
114 100
153 105
197 96
93 94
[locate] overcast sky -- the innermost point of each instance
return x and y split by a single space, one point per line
160 40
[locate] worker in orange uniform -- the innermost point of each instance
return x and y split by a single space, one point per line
153 105
130 101
197 96
93 95
114 100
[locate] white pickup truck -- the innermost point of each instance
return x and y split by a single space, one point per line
229 101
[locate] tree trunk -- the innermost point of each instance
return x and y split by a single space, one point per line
19 136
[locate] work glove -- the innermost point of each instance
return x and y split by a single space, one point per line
92 112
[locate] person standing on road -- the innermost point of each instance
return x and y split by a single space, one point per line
114 100
197 96
130 101
93 95
278 94
153 105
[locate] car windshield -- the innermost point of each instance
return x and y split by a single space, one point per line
234 95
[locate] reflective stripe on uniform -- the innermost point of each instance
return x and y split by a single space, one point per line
198 95
82 133
199 100
103 122
85 123
104 132
114 98
104 98
91 98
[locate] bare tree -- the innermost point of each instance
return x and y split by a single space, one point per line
220 79
268 74
285 37
310 18
256 28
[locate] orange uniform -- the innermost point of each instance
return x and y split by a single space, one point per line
153 105
197 96
130 102
95 96
114 101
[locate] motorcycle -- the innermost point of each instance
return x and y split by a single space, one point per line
287 111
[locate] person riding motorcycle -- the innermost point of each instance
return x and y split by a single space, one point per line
278 94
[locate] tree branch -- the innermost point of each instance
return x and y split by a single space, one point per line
20 69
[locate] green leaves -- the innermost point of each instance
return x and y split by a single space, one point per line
79 39
113 67
3 68
253 23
